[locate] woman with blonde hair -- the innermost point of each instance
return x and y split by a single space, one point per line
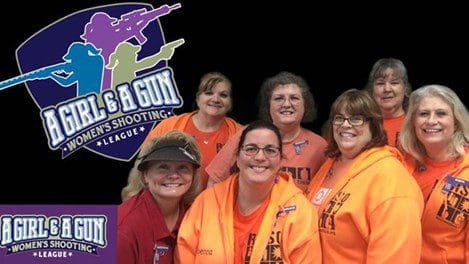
435 139
161 186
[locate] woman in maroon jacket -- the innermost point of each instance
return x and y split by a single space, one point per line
155 201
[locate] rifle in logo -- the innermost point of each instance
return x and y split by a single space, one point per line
39 74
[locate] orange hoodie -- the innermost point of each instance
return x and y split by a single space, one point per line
445 218
289 224
372 215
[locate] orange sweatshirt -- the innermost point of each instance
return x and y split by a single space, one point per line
288 231
445 218
372 214
301 157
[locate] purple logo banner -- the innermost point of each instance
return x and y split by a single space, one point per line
58 233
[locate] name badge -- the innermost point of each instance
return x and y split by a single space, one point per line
321 196
453 181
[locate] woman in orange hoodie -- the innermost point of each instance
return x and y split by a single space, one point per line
209 125
389 85
258 215
369 205
435 137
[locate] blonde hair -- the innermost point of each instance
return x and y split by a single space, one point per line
135 181
407 137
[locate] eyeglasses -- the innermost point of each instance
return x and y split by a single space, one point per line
280 100
356 120
269 151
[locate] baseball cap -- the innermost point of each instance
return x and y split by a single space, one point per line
171 150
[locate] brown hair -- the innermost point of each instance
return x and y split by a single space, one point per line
284 78
357 102
210 80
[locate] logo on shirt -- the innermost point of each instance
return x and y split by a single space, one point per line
299 145
327 217
301 175
272 253
159 252
321 195
455 208
102 80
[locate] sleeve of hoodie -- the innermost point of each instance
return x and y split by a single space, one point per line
188 234
395 231
303 243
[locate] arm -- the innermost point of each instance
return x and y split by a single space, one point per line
395 228
219 168
210 182
303 242
165 53
63 81
126 252
188 235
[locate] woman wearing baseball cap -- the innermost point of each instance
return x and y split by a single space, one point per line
165 181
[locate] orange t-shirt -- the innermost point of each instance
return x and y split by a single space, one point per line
209 144
432 172
445 185
393 128
245 231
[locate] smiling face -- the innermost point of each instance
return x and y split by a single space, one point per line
351 139
169 180
258 168
434 124
215 101
388 92
287 105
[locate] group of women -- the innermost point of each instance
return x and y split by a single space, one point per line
390 185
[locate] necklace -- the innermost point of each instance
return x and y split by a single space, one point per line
331 171
291 138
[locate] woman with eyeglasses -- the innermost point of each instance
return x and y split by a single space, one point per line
256 216
435 138
285 100
155 201
369 206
